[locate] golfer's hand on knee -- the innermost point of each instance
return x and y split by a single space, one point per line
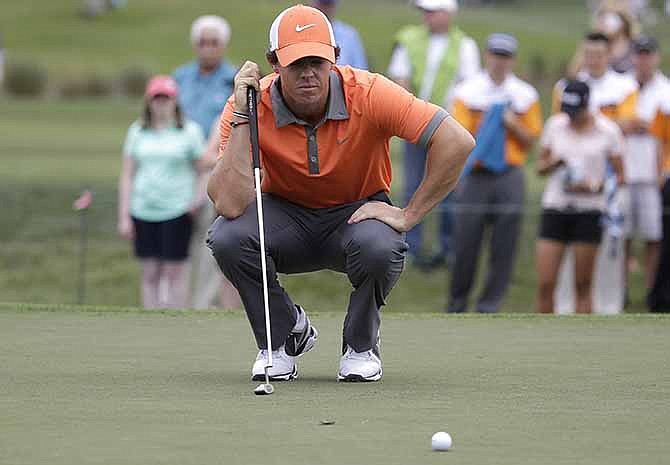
249 75
393 216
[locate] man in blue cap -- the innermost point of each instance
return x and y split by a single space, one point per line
352 52
503 112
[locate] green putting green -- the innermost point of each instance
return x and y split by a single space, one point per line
96 386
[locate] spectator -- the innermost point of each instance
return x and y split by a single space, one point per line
352 52
429 60
612 94
157 191
576 146
659 297
205 84
643 166
614 19
504 113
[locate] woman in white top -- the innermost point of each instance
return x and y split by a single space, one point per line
576 147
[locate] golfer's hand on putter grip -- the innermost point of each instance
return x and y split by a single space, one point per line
249 75
393 216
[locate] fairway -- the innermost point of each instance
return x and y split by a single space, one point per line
136 387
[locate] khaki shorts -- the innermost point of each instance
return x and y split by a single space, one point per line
643 217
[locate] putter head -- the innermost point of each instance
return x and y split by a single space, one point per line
264 389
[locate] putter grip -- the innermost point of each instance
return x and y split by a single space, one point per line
253 126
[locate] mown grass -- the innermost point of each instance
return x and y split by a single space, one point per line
139 387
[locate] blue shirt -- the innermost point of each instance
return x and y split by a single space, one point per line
203 96
352 52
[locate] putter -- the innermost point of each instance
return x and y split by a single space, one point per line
266 388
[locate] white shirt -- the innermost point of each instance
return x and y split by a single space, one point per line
480 93
610 89
585 156
641 153
468 64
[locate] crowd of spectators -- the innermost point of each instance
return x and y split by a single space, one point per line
610 121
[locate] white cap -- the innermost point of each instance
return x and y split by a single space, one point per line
434 5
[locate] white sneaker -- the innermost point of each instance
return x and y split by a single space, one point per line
360 366
283 366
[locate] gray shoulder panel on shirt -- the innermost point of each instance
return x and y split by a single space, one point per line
432 127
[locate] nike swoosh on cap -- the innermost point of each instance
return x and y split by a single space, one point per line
342 141
299 28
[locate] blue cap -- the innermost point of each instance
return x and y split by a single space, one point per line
500 43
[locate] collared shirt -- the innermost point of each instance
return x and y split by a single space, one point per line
352 52
614 95
345 157
641 155
203 96
475 96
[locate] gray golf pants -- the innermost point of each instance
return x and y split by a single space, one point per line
299 240
486 199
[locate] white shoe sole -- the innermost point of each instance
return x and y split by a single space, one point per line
355 378
283 377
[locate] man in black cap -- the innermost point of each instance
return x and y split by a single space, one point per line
503 112
642 165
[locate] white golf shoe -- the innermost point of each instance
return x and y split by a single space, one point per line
283 366
360 366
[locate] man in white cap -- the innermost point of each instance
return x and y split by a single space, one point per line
324 144
429 60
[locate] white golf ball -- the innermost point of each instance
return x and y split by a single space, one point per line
441 441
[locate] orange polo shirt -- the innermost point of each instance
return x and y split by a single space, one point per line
660 128
344 158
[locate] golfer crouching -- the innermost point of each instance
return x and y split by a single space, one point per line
324 148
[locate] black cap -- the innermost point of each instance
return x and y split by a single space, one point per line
503 44
575 97
644 43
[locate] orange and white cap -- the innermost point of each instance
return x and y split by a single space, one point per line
302 31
